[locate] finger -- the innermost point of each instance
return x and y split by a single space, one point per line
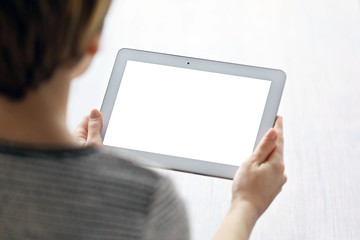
279 129
279 125
265 147
94 128
82 128
277 157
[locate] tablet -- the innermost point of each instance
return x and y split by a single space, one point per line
188 114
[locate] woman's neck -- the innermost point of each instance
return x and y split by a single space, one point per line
40 119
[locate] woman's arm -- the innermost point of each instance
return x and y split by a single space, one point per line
256 183
238 223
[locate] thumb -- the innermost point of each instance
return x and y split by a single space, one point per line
265 147
95 125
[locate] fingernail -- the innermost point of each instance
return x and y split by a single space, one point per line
271 135
95 114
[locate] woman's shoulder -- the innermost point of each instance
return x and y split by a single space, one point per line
89 164
122 167
78 185
92 171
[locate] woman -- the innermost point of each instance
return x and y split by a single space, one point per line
55 185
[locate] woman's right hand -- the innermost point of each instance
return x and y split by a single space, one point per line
261 177
256 183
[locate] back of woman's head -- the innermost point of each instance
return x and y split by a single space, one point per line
38 36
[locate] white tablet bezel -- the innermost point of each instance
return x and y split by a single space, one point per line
277 78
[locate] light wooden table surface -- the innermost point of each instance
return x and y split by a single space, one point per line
318 44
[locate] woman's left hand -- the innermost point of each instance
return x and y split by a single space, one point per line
88 132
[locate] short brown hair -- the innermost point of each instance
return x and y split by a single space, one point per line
38 36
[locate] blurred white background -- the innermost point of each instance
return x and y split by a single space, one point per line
317 43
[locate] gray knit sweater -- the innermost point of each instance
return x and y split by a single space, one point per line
84 194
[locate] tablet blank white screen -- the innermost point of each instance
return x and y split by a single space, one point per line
187 113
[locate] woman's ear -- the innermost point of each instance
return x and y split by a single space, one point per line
91 49
93 45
